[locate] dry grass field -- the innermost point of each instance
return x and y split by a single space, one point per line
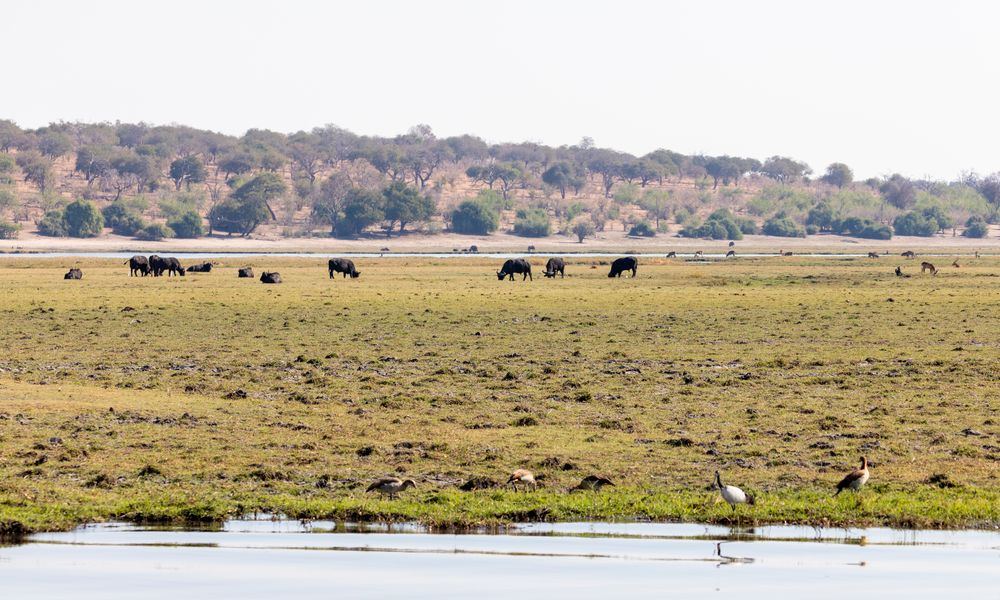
208 396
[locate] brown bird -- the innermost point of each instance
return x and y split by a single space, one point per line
391 486
855 479
524 477
593 483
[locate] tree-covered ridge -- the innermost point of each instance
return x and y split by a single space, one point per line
159 181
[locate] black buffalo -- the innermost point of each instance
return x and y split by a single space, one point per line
202 268
73 274
626 263
138 264
246 272
159 264
553 266
270 277
515 265
345 266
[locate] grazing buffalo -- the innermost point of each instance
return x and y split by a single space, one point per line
908 254
202 268
270 277
671 254
555 265
138 264
73 274
342 265
159 264
731 253
626 263
246 272
474 249
515 265
873 255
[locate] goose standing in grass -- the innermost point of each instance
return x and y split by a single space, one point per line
855 479
732 494
391 486
524 477
593 483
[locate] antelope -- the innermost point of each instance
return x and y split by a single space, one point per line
926 266
855 479
698 254
955 264
731 253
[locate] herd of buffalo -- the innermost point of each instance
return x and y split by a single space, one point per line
156 266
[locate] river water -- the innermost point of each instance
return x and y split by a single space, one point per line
250 559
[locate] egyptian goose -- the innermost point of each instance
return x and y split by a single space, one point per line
593 483
855 479
524 477
390 486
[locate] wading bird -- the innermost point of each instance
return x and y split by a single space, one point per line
732 494
855 479
391 486
524 477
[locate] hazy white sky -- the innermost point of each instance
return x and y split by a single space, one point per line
884 86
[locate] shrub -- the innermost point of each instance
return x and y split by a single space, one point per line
187 225
642 229
720 225
83 219
473 217
747 226
812 229
915 223
781 226
861 228
53 224
976 227
532 223
582 230
8 230
154 232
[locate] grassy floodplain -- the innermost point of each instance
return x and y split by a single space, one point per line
210 396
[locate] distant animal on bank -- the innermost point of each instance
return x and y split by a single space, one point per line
671 254
698 254
345 266
873 255
73 273
908 254
855 479
169 264
553 266
523 477
515 265
732 494
138 264
731 253
531 249
626 263
391 486
384 250
270 277
473 249
783 253
202 268
592 483
926 266
246 272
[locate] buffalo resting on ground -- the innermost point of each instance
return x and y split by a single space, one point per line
138 264
246 272
345 266
202 268
626 263
515 265
553 266
270 277
73 274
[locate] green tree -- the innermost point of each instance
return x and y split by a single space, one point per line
532 222
404 204
121 218
8 198
53 224
583 229
781 226
328 202
83 219
362 208
7 166
260 191
976 227
154 232
838 174
473 217
93 162
36 168
187 225
562 176
899 192
187 170
915 223
822 216
784 169
54 144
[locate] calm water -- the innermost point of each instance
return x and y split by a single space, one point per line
286 559
500 255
